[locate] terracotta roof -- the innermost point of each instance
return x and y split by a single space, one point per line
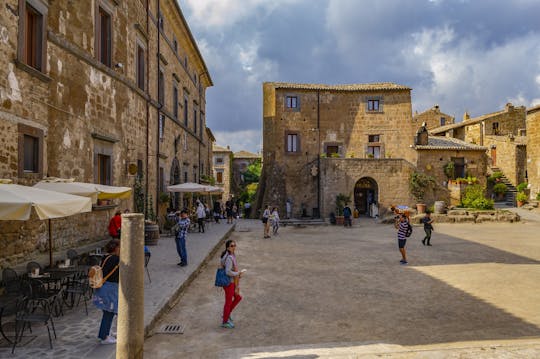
448 143
246 154
376 86
217 148
533 109
468 122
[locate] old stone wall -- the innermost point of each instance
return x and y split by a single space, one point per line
533 150
225 168
510 156
84 108
433 118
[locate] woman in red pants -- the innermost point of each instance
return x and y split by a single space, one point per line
232 291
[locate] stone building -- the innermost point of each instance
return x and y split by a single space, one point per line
222 166
433 118
533 150
241 161
100 91
502 133
359 140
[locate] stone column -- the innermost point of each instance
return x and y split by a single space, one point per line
131 288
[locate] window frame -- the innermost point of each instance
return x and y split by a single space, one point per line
219 173
40 8
140 67
186 112
296 148
374 104
368 152
374 138
38 134
106 159
195 110
161 87
289 100
175 101
101 5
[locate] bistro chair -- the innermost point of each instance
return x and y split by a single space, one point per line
73 256
147 256
77 288
12 283
27 314
31 266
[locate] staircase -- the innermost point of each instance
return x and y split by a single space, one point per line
511 190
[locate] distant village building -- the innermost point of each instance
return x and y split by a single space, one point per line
358 140
241 161
433 118
222 159
533 150
100 91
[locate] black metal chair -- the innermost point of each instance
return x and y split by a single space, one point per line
27 314
31 266
77 288
73 256
11 280
147 256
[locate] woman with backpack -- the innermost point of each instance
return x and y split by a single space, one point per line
106 296
232 291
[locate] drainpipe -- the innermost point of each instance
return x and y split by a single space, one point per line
148 99
319 152
158 111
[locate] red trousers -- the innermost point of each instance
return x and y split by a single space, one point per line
231 301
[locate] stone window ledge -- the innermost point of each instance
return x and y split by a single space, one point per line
32 71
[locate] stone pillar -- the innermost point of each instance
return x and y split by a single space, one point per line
131 288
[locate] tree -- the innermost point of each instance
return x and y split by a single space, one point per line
253 172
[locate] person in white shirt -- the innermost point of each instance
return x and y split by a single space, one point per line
201 215
274 217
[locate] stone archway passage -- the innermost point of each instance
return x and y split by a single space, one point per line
366 192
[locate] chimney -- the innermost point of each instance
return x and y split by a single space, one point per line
422 137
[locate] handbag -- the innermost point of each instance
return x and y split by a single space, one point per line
222 279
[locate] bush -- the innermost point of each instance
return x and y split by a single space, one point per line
538 196
495 176
521 187
474 198
499 188
483 203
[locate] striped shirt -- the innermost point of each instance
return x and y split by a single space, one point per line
184 226
402 229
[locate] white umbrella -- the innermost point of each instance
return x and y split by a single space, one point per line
16 203
188 187
92 190
214 189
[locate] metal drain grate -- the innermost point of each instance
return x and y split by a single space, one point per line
171 329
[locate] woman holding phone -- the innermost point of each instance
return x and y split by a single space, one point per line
232 291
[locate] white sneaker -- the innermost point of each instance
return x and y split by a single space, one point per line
109 340
112 334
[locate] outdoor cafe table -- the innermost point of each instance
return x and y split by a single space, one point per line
8 304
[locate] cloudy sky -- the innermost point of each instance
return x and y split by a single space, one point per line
465 55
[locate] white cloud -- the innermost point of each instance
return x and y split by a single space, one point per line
248 140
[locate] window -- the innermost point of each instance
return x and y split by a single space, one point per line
495 127
185 111
175 101
161 21
201 121
373 105
175 46
195 174
185 176
30 151
291 101
185 141
161 126
104 36
219 160
219 177
161 184
443 121
139 169
32 34
292 142
104 169
374 138
161 87
140 66
330 150
194 119
374 151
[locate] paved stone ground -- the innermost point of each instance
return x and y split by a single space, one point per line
336 292
77 332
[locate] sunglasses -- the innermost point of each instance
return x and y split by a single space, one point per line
232 245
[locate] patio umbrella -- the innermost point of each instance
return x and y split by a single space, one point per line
16 203
93 190
188 187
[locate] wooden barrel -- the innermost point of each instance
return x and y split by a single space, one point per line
439 207
151 234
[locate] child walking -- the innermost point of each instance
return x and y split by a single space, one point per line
428 228
274 216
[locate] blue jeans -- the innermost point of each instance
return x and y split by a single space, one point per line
181 248
106 323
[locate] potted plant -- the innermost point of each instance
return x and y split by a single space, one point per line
341 201
448 169
419 184
500 190
521 198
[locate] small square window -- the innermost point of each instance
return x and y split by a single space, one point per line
292 101
443 121
374 138
373 105
293 143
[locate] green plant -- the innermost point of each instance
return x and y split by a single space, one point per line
341 201
370 155
474 197
149 213
164 198
521 197
323 155
538 196
335 155
208 179
350 155
138 195
448 169
495 176
522 186
499 188
419 184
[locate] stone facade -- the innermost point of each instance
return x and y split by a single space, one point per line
222 167
241 160
533 150
433 118
98 104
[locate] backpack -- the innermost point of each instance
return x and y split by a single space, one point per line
95 275
409 230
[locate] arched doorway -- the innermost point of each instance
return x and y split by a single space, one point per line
366 192
175 179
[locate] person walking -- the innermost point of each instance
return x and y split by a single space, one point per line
265 221
114 225
229 211
428 228
217 211
183 226
274 217
247 210
106 297
288 209
347 213
201 215
402 226
232 291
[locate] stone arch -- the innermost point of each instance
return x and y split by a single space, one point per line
366 192
175 179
